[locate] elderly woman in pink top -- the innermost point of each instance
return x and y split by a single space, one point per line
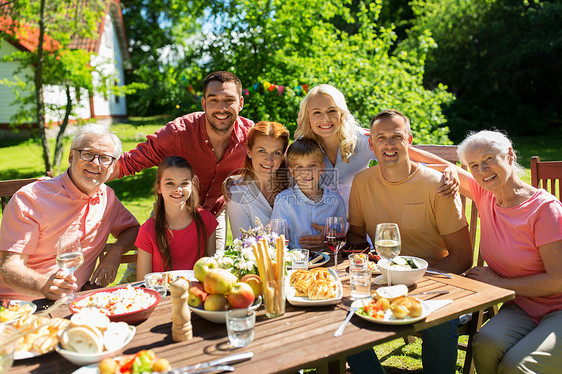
521 242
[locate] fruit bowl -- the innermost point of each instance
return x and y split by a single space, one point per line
127 296
403 275
220 317
82 359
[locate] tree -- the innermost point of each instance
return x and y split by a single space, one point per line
503 60
58 23
291 43
161 35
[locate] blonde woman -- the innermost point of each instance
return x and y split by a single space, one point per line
324 117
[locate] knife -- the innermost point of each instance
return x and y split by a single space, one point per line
439 273
232 359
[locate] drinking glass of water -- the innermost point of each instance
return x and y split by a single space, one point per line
69 257
240 326
360 275
387 242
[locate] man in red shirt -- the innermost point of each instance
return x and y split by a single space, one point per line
213 141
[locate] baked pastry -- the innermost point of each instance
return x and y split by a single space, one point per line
299 274
322 290
321 273
302 284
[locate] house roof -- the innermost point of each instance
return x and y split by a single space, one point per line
114 9
27 36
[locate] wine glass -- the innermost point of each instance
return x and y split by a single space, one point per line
387 242
279 227
69 257
334 237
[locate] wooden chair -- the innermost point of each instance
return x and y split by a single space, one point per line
547 175
449 153
10 187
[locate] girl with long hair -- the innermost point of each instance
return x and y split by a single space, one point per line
252 193
178 233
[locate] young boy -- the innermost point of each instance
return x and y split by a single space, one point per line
306 206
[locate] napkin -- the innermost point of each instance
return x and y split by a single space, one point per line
436 304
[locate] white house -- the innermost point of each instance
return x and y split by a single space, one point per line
110 50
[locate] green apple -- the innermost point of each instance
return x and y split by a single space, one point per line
215 303
219 281
202 267
254 281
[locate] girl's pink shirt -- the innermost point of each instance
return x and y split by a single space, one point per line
510 239
183 243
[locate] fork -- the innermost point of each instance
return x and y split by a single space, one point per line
340 329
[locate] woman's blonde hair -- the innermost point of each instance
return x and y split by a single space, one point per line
348 126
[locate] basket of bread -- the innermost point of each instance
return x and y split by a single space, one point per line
318 286
91 337
391 305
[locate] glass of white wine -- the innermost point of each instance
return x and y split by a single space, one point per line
387 243
69 257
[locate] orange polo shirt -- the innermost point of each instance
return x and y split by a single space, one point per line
41 212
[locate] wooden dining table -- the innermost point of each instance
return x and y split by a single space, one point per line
302 338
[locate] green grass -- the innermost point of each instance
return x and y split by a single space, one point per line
23 159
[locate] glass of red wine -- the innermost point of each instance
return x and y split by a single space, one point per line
334 237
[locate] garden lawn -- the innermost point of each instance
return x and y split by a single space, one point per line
23 159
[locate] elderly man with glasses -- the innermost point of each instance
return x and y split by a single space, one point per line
75 204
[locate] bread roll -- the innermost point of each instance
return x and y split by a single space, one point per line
83 340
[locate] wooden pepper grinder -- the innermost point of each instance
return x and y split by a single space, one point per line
181 315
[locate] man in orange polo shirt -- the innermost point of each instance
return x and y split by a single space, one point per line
76 203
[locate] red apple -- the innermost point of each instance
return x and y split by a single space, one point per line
254 281
196 294
219 281
215 303
202 267
240 295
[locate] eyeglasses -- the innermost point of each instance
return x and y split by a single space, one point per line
105 160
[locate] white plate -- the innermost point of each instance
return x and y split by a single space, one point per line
21 302
219 317
320 262
90 369
22 355
305 301
175 274
388 317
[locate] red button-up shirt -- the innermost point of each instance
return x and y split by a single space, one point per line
187 137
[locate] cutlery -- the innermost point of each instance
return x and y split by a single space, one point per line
429 293
439 273
340 329
219 368
213 365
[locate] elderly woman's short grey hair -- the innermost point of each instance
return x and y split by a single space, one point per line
100 131
496 139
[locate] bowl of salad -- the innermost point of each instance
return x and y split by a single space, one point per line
403 269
